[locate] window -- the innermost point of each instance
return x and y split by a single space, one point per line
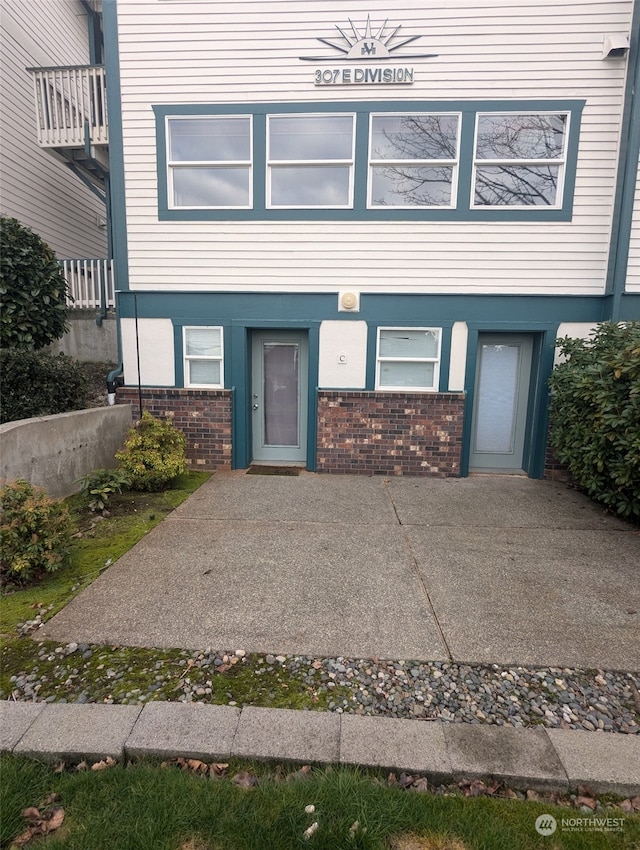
310 161
377 161
413 160
209 162
408 358
519 159
203 357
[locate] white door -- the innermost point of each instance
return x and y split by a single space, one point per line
279 396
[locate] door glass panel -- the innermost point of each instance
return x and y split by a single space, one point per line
280 393
497 398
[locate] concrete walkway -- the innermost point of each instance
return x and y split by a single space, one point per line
493 569
489 569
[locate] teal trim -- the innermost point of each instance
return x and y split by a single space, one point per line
312 401
445 358
116 154
627 177
178 347
463 211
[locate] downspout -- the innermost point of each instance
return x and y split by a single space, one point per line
626 180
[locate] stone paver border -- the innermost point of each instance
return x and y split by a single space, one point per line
530 758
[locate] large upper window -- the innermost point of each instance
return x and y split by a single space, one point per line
310 161
368 161
413 160
408 358
209 162
519 159
203 357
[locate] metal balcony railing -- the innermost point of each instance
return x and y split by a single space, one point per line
87 280
70 100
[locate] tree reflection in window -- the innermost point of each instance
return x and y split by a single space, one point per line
413 160
519 159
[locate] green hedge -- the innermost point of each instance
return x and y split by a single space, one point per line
33 289
595 415
33 383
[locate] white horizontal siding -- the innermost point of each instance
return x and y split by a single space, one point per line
185 52
633 269
38 189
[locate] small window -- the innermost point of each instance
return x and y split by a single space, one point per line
310 161
413 160
203 357
209 161
519 159
408 358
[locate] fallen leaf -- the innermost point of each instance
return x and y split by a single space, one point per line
509 793
626 806
82 766
104 764
309 832
23 838
477 788
197 766
58 767
245 779
223 668
532 795
589 802
392 779
56 819
218 769
52 798
586 791
635 802
31 813
421 784
303 773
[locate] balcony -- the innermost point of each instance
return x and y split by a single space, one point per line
71 112
91 284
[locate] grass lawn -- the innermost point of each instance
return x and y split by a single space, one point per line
146 807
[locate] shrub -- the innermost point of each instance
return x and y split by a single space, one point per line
33 290
35 532
153 454
595 415
97 487
33 383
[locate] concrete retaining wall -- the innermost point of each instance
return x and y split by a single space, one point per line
86 341
53 451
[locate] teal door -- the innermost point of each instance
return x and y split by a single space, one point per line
499 424
279 396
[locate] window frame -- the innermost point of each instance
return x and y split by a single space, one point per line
189 358
560 162
386 359
174 165
453 163
271 164
461 211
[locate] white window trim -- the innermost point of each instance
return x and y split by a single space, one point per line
561 162
187 358
453 163
173 165
301 163
435 360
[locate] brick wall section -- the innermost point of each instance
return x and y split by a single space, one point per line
203 416
390 433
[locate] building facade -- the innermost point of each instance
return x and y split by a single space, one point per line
35 187
348 236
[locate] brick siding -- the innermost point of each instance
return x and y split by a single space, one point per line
203 416
376 433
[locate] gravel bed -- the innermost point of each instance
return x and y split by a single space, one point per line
490 694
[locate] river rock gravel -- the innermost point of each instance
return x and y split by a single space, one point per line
553 697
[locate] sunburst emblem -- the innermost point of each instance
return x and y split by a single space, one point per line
363 43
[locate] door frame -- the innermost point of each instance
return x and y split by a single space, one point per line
535 438
278 454
238 358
